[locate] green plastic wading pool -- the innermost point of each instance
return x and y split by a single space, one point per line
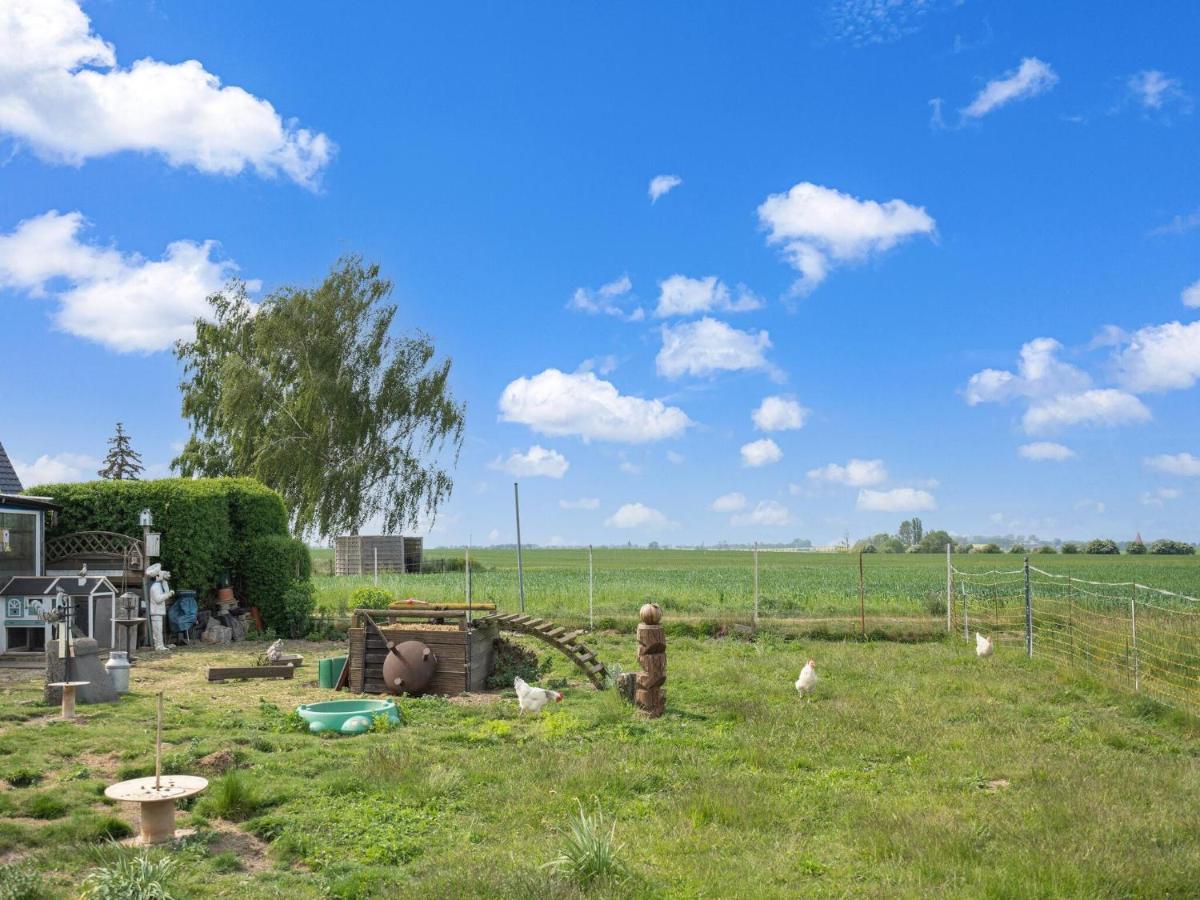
346 716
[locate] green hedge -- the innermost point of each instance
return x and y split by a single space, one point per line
268 574
208 526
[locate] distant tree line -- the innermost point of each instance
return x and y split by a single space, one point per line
911 537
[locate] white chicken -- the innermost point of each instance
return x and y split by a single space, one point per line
808 678
983 646
532 699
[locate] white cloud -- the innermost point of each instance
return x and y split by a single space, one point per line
662 184
121 300
779 414
1090 505
601 365
871 22
1160 358
1183 464
1039 373
1104 407
766 512
896 500
675 457
1155 92
761 453
1191 295
63 95
683 296
855 473
1160 496
1030 78
820 227
708 346
581 503
535 462
580 404
629 468
1040 451
493 536
57 469
606 300
1179 224
637 515
730 502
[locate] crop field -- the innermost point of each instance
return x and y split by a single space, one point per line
720 584
915 770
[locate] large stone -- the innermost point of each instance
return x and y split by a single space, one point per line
86 665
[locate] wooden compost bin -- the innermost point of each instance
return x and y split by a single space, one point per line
464 651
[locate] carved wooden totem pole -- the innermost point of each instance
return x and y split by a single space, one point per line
652 658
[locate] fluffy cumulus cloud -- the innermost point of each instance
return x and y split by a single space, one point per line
1030 78
855 473
57 469
1105 407
730 502
904 499
761 453
1182 464
121 300
1160 358
779 414
1058 394
637 515
765 513
662 184
63 95
536 462
581 503
1045 451
709 346
819 228
683 296
580 404
611 299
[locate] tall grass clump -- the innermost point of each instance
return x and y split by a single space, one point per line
590 854
18 882
130 876
232 798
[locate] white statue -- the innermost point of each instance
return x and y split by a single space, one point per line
160 596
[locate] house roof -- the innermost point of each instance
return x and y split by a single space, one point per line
9 482
43 586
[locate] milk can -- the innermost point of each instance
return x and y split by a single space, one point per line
118 670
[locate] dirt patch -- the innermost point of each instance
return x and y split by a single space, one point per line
218 763
250 850
475 699
102 765
998 784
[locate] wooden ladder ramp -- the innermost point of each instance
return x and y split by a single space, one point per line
558 637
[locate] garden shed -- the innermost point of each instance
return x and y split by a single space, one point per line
363 554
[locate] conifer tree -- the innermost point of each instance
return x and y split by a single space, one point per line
122 462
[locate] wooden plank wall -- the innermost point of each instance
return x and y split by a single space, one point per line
464 658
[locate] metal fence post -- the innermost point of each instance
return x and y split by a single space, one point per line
1028 612
966 619
520 569
591 621
756 586
949 592
1137 675
862 598
377 565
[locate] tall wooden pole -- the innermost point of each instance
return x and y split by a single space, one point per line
862 598
591 585
520 570
756 585
1028 611
949 591
158 745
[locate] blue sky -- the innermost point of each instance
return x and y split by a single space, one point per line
942 249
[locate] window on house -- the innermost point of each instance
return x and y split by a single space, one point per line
18 543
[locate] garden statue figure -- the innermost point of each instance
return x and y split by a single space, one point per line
160 596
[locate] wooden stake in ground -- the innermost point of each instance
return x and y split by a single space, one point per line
652 658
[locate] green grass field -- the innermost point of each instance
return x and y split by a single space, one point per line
720 584
916 770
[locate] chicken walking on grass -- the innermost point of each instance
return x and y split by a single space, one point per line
808 678
983 646
532 699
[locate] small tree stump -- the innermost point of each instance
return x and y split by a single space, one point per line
652 658
626 685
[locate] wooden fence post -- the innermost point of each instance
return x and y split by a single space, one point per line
652 658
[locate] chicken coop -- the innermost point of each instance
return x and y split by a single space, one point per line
364 554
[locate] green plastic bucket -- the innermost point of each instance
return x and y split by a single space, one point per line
329 671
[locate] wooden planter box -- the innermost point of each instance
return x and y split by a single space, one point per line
464 656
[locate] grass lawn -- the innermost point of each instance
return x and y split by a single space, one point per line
916 770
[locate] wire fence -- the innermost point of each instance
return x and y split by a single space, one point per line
1131 635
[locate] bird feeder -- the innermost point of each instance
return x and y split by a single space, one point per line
157 795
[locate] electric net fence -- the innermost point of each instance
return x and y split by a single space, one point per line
1131 635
